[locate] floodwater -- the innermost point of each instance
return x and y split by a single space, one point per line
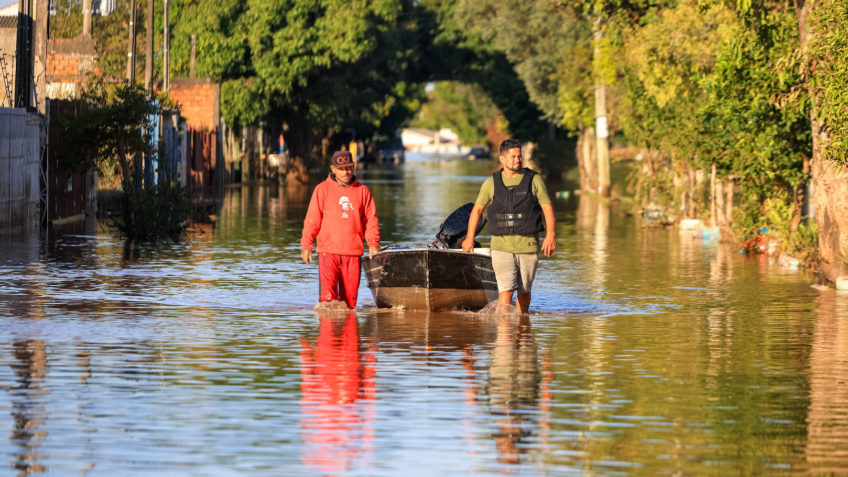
646 353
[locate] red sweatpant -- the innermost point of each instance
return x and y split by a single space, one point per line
339 277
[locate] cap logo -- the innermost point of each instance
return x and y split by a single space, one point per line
342 159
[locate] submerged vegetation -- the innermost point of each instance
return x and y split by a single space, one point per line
111 130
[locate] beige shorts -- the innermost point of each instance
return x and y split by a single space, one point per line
515 271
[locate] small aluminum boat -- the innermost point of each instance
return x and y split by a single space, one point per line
430 279
440 277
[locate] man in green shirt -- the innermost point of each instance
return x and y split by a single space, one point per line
518 201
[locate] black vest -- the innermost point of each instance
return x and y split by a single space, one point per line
514 210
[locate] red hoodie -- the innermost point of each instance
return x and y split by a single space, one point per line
338 215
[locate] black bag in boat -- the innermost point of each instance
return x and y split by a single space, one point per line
454 229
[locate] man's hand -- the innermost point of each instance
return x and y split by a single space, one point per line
549 245
468 244
373 250
306 255
473 221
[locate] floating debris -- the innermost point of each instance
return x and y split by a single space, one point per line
655 216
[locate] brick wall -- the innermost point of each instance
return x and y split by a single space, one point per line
69 61
59 65
199 100
8 44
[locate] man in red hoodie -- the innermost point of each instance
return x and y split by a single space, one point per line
341 213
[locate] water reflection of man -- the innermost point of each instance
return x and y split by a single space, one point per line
517 200
341 213
514 386
338 394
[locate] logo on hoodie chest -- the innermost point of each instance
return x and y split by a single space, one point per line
346 205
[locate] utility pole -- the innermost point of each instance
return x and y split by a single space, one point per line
86 17
23 56
131 53
191 58
148 49
90 175
601 121
40 55
166 50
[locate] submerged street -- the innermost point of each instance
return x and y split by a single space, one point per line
645 352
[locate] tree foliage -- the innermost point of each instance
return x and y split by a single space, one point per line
318 66
703 84
322 67
110 32
464 108
693 82
827 66
540 38
449 50
112 130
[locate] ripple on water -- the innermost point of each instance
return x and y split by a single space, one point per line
641 353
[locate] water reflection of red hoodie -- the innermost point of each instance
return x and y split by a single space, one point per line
337 396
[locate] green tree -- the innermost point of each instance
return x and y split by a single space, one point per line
824 54
544 41
112 130
828 80
450 51
464 108
318 67
110 33
702 85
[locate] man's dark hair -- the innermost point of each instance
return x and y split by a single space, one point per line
508 144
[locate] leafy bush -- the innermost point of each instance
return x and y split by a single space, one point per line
161 211
804 242
112 130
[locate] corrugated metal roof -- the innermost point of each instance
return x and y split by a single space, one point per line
7 21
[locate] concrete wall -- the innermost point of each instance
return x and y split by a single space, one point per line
20 167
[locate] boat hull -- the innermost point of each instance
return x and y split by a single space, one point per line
431 279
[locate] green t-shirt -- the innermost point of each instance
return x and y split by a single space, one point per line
514 243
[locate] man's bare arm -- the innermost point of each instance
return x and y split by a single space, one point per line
549 244
473 222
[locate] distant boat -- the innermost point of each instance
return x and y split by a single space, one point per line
430 279
441 277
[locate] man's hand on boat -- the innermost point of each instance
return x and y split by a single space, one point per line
468 244
373 250
306 255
